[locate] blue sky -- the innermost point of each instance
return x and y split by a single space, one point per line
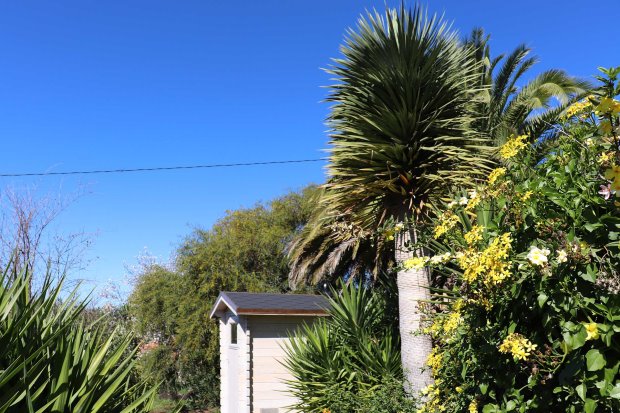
129 84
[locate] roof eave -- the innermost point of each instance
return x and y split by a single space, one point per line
220 305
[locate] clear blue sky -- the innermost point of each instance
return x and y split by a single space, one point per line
126 84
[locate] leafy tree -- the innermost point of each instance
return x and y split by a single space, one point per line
243 251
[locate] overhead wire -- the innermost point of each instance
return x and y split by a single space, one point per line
160 168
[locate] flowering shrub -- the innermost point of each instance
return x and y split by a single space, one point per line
526 313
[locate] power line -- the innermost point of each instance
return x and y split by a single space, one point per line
161 168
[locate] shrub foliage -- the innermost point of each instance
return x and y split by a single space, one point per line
526 310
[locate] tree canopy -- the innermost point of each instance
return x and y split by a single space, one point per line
243 251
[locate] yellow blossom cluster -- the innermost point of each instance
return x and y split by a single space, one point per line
433 402
496 174
608 105
446 325
592 331
474 235
434 361
492 263
415 263
447 221
453 320
606 157
526 195
473 406
513 146
578 108
391 232
517 345
474 200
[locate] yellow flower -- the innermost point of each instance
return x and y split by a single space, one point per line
491 263
496 174
459 389
446 223
453 321
606 157
513 146
474 235
434 361
433 402
608 105
527 195
517 345
592 330
578 108
613 173
473 407
415 263
474 199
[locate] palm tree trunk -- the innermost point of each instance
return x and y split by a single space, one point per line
413 286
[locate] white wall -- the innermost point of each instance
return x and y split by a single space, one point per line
234 366
268 334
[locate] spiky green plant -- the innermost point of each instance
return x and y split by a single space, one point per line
50 362
353 353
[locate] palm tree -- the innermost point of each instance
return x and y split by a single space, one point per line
331 247
505 108
401 136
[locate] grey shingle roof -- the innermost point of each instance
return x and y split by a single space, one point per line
270 304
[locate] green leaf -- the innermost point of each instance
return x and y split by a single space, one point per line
542 299
595 360
615 391
581 391
589 275
590 406
592 226
490 408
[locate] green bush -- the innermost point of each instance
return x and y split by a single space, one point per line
526 311
350 361
52 362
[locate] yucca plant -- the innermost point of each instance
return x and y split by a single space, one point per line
402 134
50 362
352 354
